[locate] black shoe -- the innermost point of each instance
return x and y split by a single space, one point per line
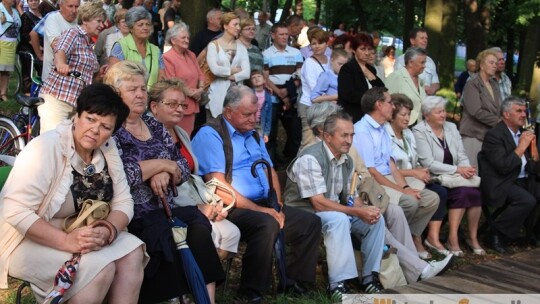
250 296
374 286
297 288
337 292
497 242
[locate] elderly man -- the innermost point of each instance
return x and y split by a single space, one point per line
226 149
56 23
407 80
505 84
319 180
373 144
419 38
263 31
213 28
508 170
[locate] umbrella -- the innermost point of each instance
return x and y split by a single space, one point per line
193 274
63 280
352 191
279 246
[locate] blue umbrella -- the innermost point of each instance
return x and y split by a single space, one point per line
279 246
192 271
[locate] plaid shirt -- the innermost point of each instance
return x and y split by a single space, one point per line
81 58
505 86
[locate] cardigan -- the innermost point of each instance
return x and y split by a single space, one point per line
401 82
45 166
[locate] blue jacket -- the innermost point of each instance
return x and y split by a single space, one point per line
266 113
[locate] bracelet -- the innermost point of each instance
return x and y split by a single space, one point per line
113 231
406 186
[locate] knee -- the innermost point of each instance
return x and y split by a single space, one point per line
337 222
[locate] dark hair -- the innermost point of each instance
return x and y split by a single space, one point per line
278 25
401 101
371 97
294 19
416 30
341 41
103 100
388 49
362 39
254 72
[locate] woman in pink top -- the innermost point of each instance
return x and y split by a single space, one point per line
181 63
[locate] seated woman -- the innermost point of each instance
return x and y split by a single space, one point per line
406 158
151 162
440 149
52 176
167 104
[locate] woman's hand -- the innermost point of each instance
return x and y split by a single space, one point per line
235 69
422 174
62 68
197 94
172 168
466 172
87 239
208 210
160 184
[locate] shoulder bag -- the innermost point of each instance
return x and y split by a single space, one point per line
91 211
209 77
200 192
456 180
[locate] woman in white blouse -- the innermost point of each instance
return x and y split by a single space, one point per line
228 60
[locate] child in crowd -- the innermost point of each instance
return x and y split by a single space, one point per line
326 87
264 100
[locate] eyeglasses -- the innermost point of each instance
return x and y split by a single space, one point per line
248 29
174 105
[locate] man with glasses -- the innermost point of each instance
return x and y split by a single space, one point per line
505 84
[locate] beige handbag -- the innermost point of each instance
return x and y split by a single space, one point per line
456 180
91 211
391 274
198 192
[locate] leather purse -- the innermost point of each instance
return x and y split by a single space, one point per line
195 191
456 180
91 211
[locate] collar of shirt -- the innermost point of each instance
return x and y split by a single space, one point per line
232 130
275 49
342 159
373 123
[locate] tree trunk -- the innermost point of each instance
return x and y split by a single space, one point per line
529 78
194 14
273 8
317 11
476 26
286 11
408 22
360 13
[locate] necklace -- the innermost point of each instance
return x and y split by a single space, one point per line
89 169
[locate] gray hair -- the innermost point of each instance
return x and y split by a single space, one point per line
432 102
509 101
175 30
317 114
211 13
412 53
331 121
496 49
124 71
235 94
370 98
135 14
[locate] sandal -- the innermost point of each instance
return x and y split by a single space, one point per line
456 253
431 246
476 251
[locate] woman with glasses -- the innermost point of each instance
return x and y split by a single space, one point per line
181 63
153 163
247 34
137 47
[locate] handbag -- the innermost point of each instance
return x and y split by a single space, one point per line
91 211
195 191
456 180
372 193
391 275
209 77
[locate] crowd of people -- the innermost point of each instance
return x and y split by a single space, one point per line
133 106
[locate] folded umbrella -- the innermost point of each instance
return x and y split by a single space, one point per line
63 280
279 246
192 271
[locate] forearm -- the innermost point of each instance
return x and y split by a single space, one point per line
152 167
119 219
323 98
383 181
241 201
60 58
46 234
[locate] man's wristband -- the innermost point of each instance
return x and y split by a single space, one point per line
406 186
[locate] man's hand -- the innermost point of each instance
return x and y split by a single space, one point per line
422 174
412 192
278 216
368 214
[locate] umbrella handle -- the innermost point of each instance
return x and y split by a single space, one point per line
268 167
166 207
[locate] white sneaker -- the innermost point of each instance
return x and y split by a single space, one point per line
436 267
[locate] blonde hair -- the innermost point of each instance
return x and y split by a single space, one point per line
90 11
227 18
122 71
246 22
482 57
156 92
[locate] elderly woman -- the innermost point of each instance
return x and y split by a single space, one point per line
440 150
167 104
312 68
122 30
10 21
181 63
152 163
247 34
406 159
136 46
228 60
481 103
72 53
357 76
407 81
78 161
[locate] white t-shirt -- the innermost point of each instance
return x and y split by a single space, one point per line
54 26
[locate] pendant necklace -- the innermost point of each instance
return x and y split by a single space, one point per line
89 169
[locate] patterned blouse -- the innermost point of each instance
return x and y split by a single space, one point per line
97 187
133 150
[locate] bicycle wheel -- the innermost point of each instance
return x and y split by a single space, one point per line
10 143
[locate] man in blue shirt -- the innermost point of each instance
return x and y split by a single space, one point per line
258 223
